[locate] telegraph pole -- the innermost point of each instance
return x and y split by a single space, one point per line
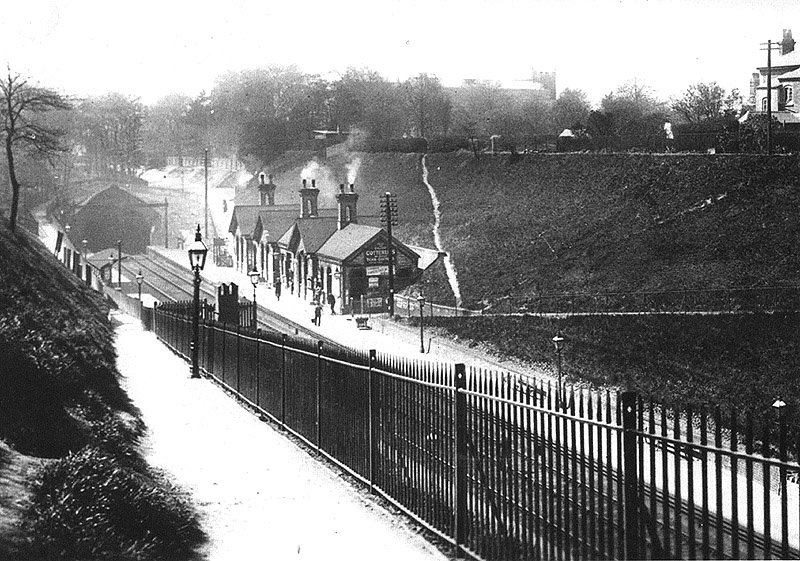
389 217
206 193
770 46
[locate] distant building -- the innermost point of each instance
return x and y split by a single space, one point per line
540 86
785 83
114 214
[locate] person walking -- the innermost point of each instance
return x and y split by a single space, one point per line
332 302
278 290
318 314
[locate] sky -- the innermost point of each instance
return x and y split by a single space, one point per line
149 49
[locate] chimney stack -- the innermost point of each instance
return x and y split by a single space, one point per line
787 45
347 206
266 191
308 200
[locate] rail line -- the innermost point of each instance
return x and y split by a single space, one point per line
161 276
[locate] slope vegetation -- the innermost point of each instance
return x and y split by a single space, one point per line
548 223
628 222
61 407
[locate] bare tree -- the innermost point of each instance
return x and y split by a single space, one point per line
20 105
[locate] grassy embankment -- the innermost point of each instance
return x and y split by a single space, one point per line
624 222
555 223
76 486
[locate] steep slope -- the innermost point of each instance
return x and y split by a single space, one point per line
582 222
579 222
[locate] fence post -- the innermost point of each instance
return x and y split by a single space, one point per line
258 376
283 381
319 399
372 358
238 358
461 458
629 474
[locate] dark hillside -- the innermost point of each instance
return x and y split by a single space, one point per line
57 351
60 398
627 222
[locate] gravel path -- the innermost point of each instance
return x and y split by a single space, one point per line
260 496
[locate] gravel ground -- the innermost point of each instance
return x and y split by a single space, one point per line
260 496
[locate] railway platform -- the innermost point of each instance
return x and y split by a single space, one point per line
384 335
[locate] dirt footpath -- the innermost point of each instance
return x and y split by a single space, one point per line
260 496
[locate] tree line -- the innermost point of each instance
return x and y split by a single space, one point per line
257 114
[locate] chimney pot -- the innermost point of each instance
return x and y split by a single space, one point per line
261 178
313 183
270 177
304 184
352 190
341 187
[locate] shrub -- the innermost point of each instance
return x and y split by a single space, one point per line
89 505
402 145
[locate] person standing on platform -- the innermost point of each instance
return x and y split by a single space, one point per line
278 290
332 302
318 314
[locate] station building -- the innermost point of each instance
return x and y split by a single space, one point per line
312 252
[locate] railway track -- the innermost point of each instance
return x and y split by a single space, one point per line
172 282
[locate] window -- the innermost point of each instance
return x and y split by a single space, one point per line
764 104
789 95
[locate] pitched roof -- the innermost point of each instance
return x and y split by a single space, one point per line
275 221
315 231
244 218
117 197
793 75
345 242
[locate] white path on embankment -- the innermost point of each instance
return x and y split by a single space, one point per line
437 238
259 495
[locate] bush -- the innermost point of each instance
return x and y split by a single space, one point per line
89 505
402 145
448 144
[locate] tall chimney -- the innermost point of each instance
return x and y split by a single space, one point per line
787 45
308 200
266 191
347 206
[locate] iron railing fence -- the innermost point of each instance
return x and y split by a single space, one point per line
507 467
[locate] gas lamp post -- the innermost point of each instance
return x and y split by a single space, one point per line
197 260
254 281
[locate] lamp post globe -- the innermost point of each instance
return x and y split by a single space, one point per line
421 300
254 275
197 259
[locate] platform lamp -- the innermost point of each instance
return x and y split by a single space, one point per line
254 274
558 343
139 281
111 269
197 260
421 300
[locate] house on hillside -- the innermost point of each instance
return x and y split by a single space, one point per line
785 86
114 214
